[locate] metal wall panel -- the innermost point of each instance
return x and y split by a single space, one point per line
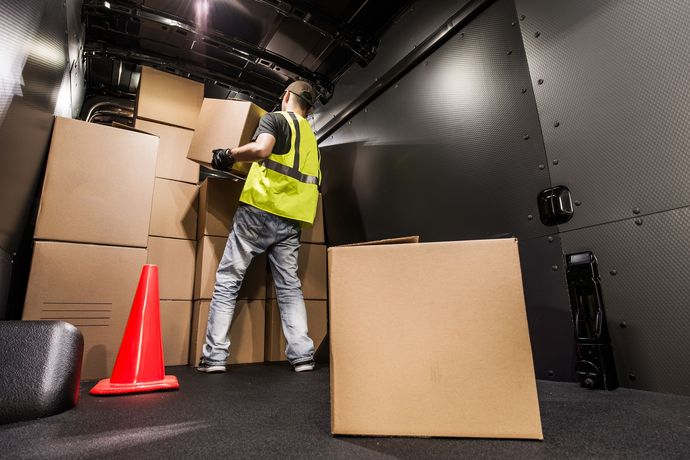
615 78
451 152
649 293
412 28
611 85
36 83
548 308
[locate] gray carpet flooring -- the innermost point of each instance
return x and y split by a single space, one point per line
267 411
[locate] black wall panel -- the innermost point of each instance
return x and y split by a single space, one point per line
35 85
613 103
453 151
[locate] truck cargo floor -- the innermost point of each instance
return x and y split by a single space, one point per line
267 411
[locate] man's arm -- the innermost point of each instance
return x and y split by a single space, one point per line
260 149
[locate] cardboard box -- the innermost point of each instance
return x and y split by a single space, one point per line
174 209
246 332
315 233
174 143
431 340
176 322
90 286
218 201
209 252
312 271
176 260
167 98
224 124
317 321
98 185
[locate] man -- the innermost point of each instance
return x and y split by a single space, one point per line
279 195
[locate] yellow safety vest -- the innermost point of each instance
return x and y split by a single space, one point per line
288 185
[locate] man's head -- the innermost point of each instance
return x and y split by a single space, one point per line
298 96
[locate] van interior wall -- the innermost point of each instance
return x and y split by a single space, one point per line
613 107
452 151
41 77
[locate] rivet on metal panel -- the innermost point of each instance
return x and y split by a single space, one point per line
514 23
509 52
523 90
542 167
557 124
397 85
554 268
636 211
530 217
623 324
366 110
550 373
632 376
555 162
638 222
578 202
550 239
522 17
540 81
526 137
349 122
426 63
613 272
537 34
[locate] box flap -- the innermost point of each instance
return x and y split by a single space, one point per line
398 240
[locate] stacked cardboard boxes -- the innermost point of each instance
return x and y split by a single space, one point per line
91 234
312 271
172 232
219 199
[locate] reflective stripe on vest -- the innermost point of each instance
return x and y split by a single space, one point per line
294 170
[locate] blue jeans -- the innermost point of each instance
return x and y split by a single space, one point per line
254 232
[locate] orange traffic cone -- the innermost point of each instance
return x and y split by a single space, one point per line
139 364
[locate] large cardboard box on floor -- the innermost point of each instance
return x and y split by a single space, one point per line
176 261
98 185
317 321
431 340
246 331
174 209
315 233
174 143
209 253
224 124
169 99
312 271
218 201
176 322
90 286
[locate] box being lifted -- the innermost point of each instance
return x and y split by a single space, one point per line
169 99
431 340
224 124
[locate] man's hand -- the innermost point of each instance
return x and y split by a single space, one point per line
222 160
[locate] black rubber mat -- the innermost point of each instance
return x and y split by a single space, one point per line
267 411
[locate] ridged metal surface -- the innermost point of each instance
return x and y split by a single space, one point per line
548 308
615 78
443 154
409 30
649 292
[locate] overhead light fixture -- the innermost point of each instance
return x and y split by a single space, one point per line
106 4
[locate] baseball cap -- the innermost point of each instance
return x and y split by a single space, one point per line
303 90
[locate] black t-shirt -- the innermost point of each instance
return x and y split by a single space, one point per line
276 125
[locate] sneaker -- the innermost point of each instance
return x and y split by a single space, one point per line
210 368
304 366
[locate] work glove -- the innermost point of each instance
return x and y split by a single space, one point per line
222 160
